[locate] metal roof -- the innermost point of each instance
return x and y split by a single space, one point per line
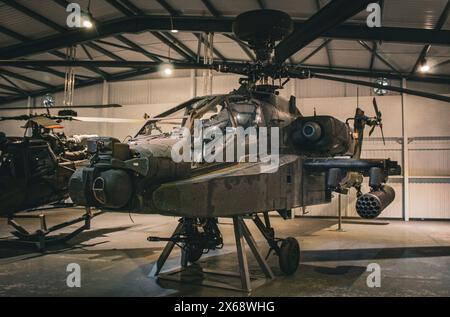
396 48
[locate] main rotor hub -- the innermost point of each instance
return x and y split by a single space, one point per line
261 29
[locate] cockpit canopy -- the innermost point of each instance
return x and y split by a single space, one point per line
214 112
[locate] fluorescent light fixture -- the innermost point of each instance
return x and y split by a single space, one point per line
174 31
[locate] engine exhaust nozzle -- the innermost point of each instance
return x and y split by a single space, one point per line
370 205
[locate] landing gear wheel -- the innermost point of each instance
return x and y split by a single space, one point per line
194 253
289 256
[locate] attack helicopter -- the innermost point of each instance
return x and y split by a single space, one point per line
317 155
35 169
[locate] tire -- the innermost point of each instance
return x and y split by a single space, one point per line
194 253
289 257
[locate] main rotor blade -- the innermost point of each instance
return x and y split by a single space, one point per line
389 87
101 63
333 14
105 120
121 120
113 105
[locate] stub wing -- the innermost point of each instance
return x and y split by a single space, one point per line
235 190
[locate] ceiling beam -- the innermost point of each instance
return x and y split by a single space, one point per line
441 21
176 13
25 79
15 87
244 47
372 57
86 83
97 71
23 38
104 51
378 55
215 51
328 18
137 24
172 11
129 10
175 44
120 7
15 90
261 4
211 8
327 46
132 6
446 62
32 14
315 51
138 48
216 13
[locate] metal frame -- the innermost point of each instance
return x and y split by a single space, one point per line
440 23
40 238
248 283
135 21
326 41
139 23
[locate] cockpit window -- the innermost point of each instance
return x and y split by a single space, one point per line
172 119
215 112
247 113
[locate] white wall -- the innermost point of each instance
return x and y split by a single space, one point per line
429 158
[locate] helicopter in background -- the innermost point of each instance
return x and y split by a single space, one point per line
35 168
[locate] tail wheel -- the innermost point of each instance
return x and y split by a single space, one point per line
289 256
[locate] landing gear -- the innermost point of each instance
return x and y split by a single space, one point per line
193 252
288 250
197 236
289 256
41 238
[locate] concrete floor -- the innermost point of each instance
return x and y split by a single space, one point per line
115 259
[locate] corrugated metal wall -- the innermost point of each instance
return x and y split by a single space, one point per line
427 127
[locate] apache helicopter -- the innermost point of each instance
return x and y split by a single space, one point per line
35 168
318 155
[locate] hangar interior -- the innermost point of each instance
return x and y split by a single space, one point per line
414 254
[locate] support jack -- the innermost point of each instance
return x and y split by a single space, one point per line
288 251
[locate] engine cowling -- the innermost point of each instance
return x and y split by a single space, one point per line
322 136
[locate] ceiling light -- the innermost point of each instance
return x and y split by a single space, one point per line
167 69
425 68
174 31
87 24
87 20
